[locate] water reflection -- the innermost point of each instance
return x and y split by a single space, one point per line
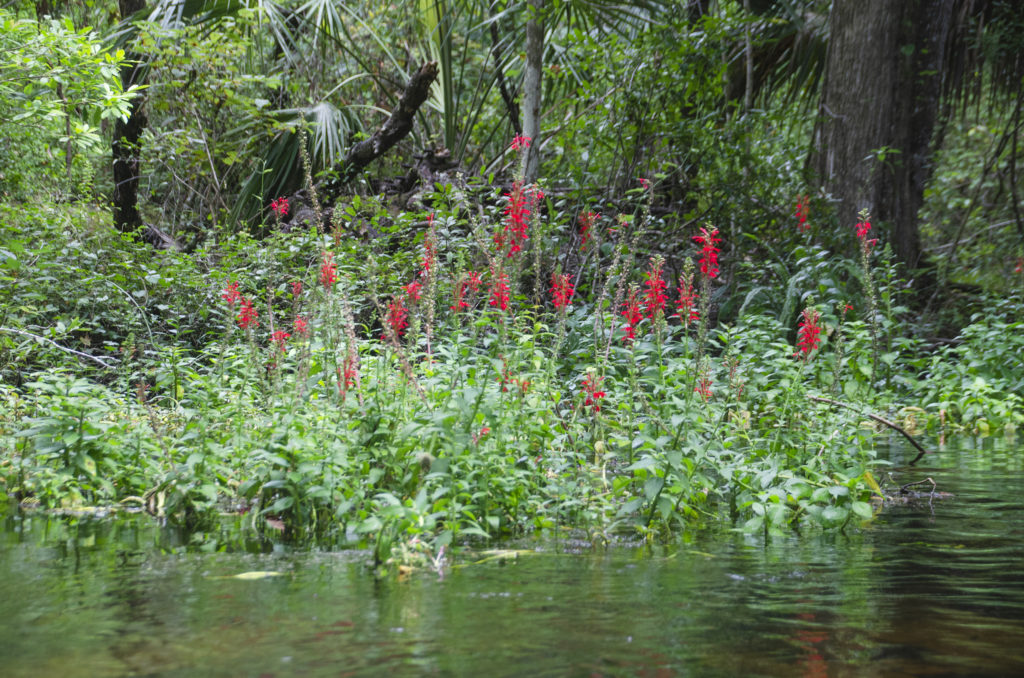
928 589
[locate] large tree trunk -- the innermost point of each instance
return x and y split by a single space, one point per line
874 139
532 84
127 139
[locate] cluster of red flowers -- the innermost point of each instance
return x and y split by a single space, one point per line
247 315
703 388
398 316
809 332
631 312
471 282
347 374
476 437
499 289
328 271
709 252
279 337
279 207
508 380
231 294
301 326
591 387
586 221
413 290
801 213
521 202
561 291
686 305
296 289
644 183
520 142
862 234
1020 265
655 297
429 247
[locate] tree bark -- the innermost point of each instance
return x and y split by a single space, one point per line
127 139
532 84
397 126
874 140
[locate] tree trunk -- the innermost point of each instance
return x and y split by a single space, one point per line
874 138
532 84
127 139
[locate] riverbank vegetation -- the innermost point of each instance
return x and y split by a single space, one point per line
668 324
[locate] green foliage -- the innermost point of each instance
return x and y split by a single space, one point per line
134 376
978 381
58 84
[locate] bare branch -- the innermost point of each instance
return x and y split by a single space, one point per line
54 343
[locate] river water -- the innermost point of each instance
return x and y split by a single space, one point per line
930 588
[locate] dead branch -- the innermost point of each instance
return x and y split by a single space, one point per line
396 127
880 420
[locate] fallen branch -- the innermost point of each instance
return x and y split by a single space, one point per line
880 420
396 127
903 488
54 343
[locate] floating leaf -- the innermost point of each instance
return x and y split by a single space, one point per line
255 575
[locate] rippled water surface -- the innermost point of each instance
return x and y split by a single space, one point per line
929 589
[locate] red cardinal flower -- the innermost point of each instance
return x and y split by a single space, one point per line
709 252
561 291
231 294
279 337
591 387
631 312
499 290
809 332
655 297
328 271
280 207
247 315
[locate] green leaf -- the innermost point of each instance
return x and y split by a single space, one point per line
652 487
862 509
833 516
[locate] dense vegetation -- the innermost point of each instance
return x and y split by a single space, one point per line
669 327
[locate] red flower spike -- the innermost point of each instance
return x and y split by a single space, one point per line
591 387
520 142
301 326
328 271
429 252
349 372
709 252
809 332
862 229
586 221
631 312
686 305
279 207
499 296
655 297
469 282
703 388
517 220
247 315
397 316
561 291
480 434
801 213
279 337
413 290
231 294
